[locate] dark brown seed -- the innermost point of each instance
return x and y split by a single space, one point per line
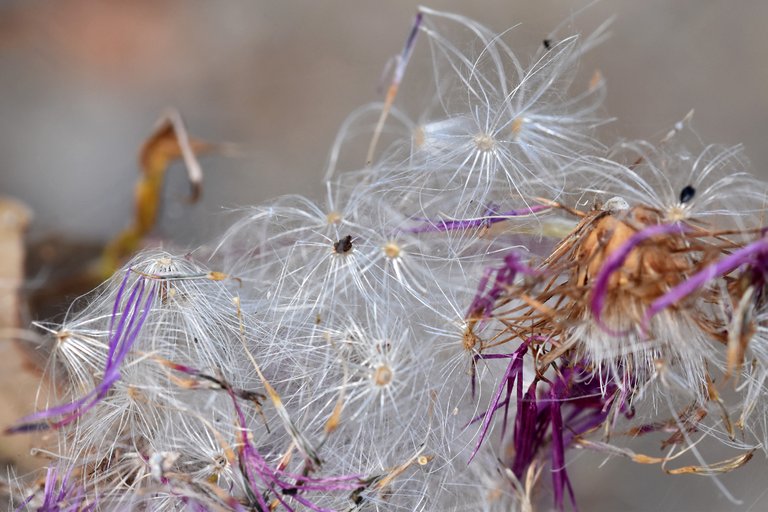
344 245
687 194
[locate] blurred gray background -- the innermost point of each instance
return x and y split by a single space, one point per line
83 81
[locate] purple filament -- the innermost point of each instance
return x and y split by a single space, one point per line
575 403
256 469
405 56
463 224
485 300
753 254
514 372
60 496
122 338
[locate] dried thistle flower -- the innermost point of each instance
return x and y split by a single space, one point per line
493 287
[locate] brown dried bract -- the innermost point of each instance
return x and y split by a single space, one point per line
560 298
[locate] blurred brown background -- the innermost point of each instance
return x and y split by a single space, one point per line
83 81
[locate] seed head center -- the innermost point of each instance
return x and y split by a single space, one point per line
469 340
485 142
383 375
391 250
677 213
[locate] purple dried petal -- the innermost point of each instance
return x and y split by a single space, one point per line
560 480
514 371
529 429
574 404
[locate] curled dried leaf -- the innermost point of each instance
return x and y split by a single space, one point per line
740 332
168 142
724 466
